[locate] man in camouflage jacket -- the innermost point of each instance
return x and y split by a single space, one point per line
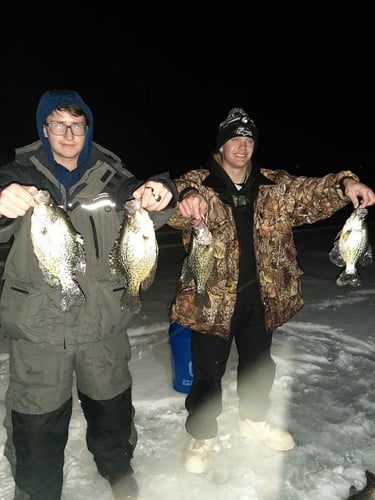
251 213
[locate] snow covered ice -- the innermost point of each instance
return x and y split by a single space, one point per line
324 393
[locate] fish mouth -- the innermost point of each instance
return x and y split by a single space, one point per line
41 196
195 223
362 212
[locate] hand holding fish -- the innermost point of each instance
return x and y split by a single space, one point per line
15 200
361 195
193 205
155 196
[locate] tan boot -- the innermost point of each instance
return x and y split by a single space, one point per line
267 433
197 455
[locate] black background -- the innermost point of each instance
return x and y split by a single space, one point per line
159 80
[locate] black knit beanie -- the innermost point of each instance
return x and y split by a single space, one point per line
236 124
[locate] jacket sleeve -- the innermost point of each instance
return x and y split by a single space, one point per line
125 190
311 199
8 227
192 180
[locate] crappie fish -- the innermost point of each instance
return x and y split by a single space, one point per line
352 248
58 248
199 263
367 493
134 256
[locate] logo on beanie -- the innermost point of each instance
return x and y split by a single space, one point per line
243 131
237 124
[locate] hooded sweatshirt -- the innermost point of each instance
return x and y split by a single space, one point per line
49 102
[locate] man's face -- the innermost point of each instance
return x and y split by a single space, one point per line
238 150
66 147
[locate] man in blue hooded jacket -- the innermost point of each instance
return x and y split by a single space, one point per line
49 346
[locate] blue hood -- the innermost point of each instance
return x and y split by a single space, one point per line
50 101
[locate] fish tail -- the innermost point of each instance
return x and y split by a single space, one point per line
335 256
351 279
370 477
202 299
131 302
72 296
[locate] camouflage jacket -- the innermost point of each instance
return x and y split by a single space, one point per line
283 201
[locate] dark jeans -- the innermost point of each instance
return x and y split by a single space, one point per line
255 369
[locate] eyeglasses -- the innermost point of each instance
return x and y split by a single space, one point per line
59 128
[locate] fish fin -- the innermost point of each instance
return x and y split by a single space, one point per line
80 258
345 235
370 476
116 267
202 299
147 282
186 274
117 274
335 256
80 266
131 302
72 296
366 258
117 270
353 490
212 279
352 279
50 279
337 237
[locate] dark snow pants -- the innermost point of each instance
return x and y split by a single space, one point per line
39 408
255 369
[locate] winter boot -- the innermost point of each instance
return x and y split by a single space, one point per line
124 487
197 454
267 433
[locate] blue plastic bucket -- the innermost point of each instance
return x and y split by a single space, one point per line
182 367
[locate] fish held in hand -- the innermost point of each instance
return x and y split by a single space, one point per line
367 493
352 248
134 256
58 248
199 263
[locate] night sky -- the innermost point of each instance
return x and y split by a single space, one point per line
159 82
